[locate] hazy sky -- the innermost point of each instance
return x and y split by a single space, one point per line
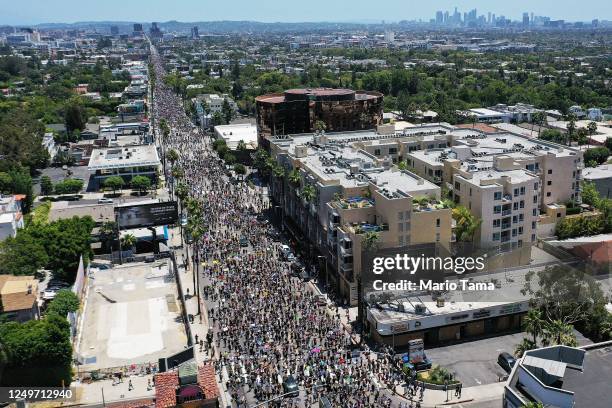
45 11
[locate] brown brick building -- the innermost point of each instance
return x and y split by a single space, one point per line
298 110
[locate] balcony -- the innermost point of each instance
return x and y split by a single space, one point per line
353 203
506 212
506 225
364 227
423 204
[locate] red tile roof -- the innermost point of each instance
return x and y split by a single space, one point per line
165 389
207 381
142 403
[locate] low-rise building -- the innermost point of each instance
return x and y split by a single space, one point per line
19 298
11 218
236 133
601 177
127 162
561 376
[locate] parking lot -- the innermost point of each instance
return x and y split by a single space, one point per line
475 363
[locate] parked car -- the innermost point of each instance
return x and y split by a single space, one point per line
244 242
506 361
287 253
290 387
183 220
105 200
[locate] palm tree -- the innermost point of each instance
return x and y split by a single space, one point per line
534 324
308 193
294 177
591 128
128 241
467 224
173 156
533 404
558 332
241 146
524 346
571 127
371 240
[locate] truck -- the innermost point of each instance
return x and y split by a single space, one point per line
415 358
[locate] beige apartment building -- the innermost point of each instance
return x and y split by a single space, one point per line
356 195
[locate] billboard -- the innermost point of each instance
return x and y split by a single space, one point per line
147 215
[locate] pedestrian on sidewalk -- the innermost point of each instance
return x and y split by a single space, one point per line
130 386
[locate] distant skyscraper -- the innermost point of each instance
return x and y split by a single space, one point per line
526 19
489 18
114 30
195 34
446 17
137 28
439 17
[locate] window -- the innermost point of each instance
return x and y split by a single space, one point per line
533 225
534 212
521 217
535 186
522 204
437 222
522 190
515 206
514 219
516 192
400 227
400 216
470 191
535 199
558 215
437 237
549 171
496 223
457 186
533 238
376 152
549 183
514 232
497 209
520 230
497 195
496 236
393 150
548 194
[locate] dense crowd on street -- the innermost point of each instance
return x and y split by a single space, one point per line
266 327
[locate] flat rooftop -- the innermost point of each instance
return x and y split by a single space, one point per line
125 156
597 173
591 387
509 143
132 316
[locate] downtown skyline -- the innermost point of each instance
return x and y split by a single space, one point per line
32 12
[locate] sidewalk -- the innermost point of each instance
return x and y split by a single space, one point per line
200 323
98 391
437 398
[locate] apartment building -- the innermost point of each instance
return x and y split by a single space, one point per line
546 175
345 194
214 102
505 198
